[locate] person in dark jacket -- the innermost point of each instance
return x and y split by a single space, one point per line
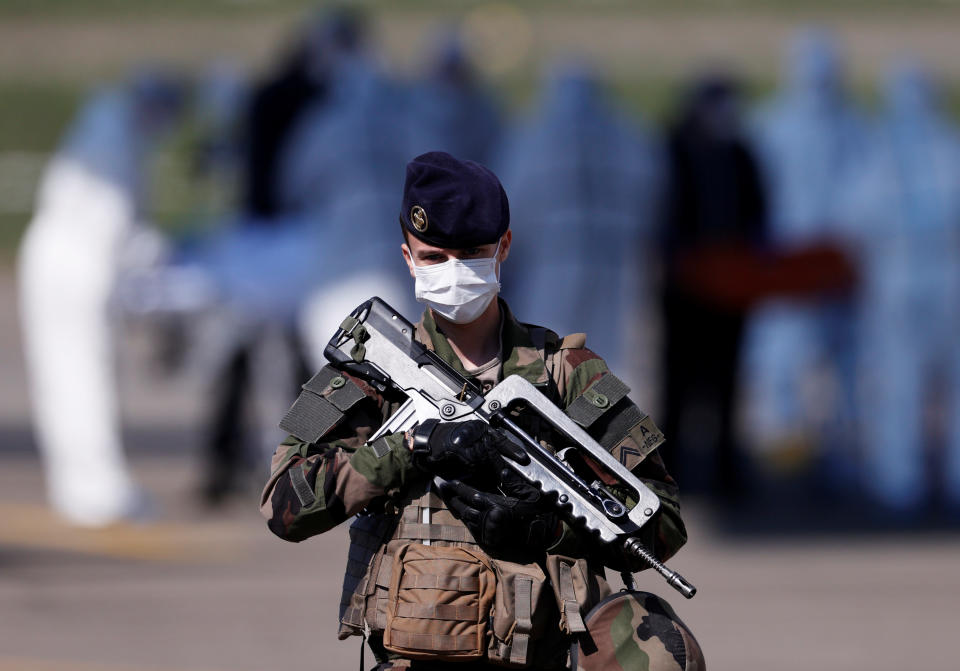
714 202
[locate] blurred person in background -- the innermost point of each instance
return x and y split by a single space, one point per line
714 203
90 206
221 98
279 102
450 110
583 178
257 278
263 261
171 295
342 171
908 205
353 137
799 359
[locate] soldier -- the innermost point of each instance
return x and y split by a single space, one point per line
449 545
714 202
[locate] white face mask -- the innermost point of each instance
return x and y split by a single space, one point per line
458 291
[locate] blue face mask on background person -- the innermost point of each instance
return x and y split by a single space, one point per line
457 290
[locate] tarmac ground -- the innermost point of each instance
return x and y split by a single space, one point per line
197 591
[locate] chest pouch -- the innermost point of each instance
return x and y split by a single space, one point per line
524 607
439 604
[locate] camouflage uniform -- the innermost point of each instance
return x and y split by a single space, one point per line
637 630
319 481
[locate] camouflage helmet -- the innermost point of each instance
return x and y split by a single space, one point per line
636 631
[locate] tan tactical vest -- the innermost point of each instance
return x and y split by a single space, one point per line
529 605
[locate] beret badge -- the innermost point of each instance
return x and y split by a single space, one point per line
418 218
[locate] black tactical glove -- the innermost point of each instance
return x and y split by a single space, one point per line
519 522
457 449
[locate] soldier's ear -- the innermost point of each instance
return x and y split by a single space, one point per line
505 245
408 258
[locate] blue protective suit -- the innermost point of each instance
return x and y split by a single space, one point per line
580 179
345 170
908 203
450 111
799 354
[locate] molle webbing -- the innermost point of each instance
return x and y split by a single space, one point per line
368 533
571 609
384 573
446 582
435 532
369 565
380 573
523 611
425 621
597 399
443 526
438 642
443 611
321 405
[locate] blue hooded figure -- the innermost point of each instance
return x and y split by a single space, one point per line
580 179
811 143
451 111
343 171
907 201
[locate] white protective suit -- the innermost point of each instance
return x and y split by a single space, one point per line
86 208
908 203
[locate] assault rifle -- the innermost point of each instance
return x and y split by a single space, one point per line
377 344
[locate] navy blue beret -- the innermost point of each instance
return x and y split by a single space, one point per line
452 203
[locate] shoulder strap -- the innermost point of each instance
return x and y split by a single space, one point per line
546 342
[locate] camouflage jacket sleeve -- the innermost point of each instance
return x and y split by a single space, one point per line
319 481
598 401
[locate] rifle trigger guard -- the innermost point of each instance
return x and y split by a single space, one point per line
421 435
